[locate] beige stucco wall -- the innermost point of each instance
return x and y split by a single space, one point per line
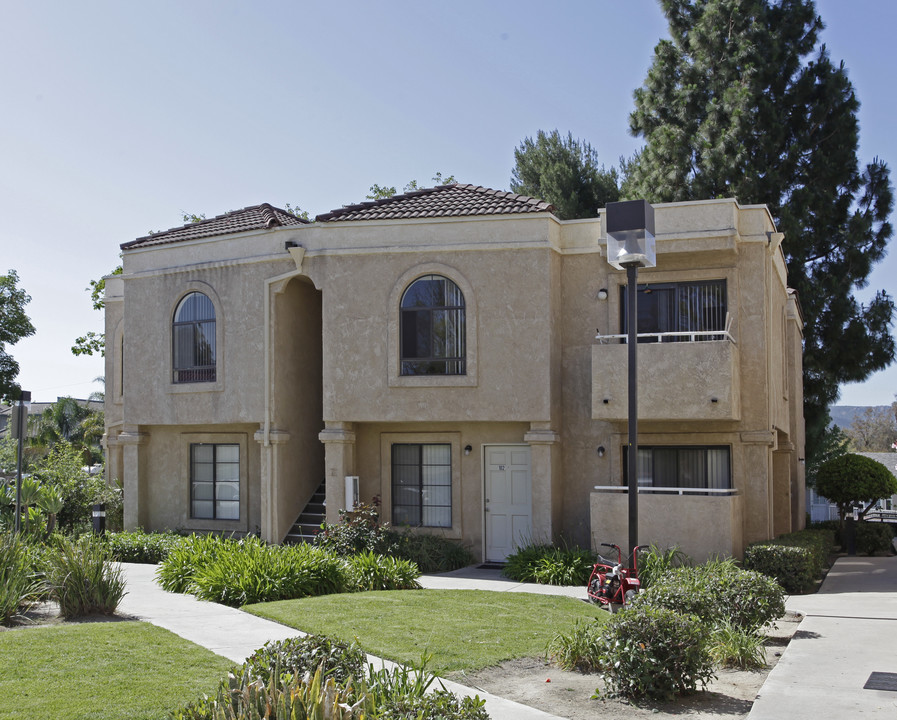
309 364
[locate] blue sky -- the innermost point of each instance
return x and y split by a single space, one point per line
118 116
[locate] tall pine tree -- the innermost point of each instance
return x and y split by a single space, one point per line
742 101
565 172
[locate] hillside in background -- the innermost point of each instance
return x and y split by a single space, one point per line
843 415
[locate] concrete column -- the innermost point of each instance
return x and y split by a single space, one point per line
339 461
136 513
545 459
272 529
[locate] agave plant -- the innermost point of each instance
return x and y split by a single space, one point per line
51 502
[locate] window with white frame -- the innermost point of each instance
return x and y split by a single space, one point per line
683 467
422 484
193 340
215 481
433 328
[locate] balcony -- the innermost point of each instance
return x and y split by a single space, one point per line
681 376
702 522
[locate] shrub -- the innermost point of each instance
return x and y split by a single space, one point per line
358 530
248 571
82 578
655 653
242 697
335 658
141 547
653 563
19 583
404 693
718 591
795 560
431 553
732 646
175 573
550 565
521 564
369 571
578 650
873 538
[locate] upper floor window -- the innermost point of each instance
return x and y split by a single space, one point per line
434 330
684 307
193 340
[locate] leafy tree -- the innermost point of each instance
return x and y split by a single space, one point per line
63 470
742 101
853 479
565 172
833 443
94 342
14 325
378 192
873 430
67 420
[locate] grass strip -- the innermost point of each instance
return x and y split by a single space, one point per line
462 629
108 670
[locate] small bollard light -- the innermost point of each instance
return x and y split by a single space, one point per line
99 519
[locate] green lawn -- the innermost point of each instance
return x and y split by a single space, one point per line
105 670
463 629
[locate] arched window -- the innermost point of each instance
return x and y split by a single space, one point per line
434 328
193 340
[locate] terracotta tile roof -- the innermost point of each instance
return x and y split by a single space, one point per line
256 217
442 201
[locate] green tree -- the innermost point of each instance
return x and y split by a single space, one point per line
14 325
833 443
742 101
378 192
853 479
565 172
69 421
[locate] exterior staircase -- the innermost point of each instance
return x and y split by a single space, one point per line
309 521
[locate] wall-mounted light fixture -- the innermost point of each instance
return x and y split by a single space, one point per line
602 294
601 451
468 449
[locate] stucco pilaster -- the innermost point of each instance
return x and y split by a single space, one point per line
339 461
545 459
272 444
133 482
756 475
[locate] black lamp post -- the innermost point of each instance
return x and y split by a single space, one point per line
630 245
20 432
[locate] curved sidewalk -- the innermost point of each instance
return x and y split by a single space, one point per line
848 636
236 635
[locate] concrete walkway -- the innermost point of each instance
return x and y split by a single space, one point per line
236 635
848 633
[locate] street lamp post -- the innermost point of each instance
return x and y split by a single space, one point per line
20 432
630 245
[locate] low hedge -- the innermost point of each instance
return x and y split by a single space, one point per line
141 547
795 560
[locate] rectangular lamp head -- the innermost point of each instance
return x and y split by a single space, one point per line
630 234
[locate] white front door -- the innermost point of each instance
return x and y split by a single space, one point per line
509 507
